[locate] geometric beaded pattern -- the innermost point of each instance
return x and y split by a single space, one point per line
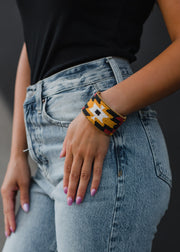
101 115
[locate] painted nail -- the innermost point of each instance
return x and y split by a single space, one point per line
11 229
65 189
69 201
78 200
61 154
6 234
93 191
26 207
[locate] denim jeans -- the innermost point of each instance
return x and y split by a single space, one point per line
136 181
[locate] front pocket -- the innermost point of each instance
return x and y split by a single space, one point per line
63 107
157 143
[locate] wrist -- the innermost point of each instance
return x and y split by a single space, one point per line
18 154
102 115
113 100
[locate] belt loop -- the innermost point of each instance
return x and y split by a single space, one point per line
115 68
107 58
39 97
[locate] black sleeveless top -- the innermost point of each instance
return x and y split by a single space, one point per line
63 33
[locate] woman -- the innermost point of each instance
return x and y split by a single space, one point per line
111 185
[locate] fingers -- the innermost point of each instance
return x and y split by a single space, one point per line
84 179
63 151
82 146
7 226
9 196
10 223
24 196
74 179
67 170
9 210
97 173
80 172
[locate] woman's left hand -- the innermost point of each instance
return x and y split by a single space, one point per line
84 146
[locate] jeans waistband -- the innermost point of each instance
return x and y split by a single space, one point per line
81 69
80 75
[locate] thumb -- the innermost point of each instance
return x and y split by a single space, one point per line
24 197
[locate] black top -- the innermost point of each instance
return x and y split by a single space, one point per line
63 33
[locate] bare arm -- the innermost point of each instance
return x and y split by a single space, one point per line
18 172
21 83
156 80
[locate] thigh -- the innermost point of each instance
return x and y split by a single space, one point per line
145 182
35 230
88 226
130 201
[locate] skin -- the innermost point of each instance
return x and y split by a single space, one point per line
18 173
85 146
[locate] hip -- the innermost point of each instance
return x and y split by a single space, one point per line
52 103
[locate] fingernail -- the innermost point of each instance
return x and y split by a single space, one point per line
65 189
78 200
26 207
6 234
93 191
11 229
61 154
69 201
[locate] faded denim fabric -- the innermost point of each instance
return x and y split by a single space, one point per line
136 182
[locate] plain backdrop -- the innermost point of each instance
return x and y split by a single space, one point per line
154 40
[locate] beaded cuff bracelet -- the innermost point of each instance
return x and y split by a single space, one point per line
101 115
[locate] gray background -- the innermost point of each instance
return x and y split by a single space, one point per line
154 40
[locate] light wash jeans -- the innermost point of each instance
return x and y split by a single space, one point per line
135 186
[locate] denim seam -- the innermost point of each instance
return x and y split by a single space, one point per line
115 68
121 196
42 143
150 113
30 141
47 117
38 96
64 124
157 166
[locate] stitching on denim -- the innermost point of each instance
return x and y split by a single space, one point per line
157 166
117 196
31 148
116 70
150 113
60 123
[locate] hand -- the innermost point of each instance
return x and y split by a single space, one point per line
17 178
83 146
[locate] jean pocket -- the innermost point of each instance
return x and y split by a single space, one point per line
61 108
157 143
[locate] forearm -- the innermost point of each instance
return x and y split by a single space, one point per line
156 80
22 81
